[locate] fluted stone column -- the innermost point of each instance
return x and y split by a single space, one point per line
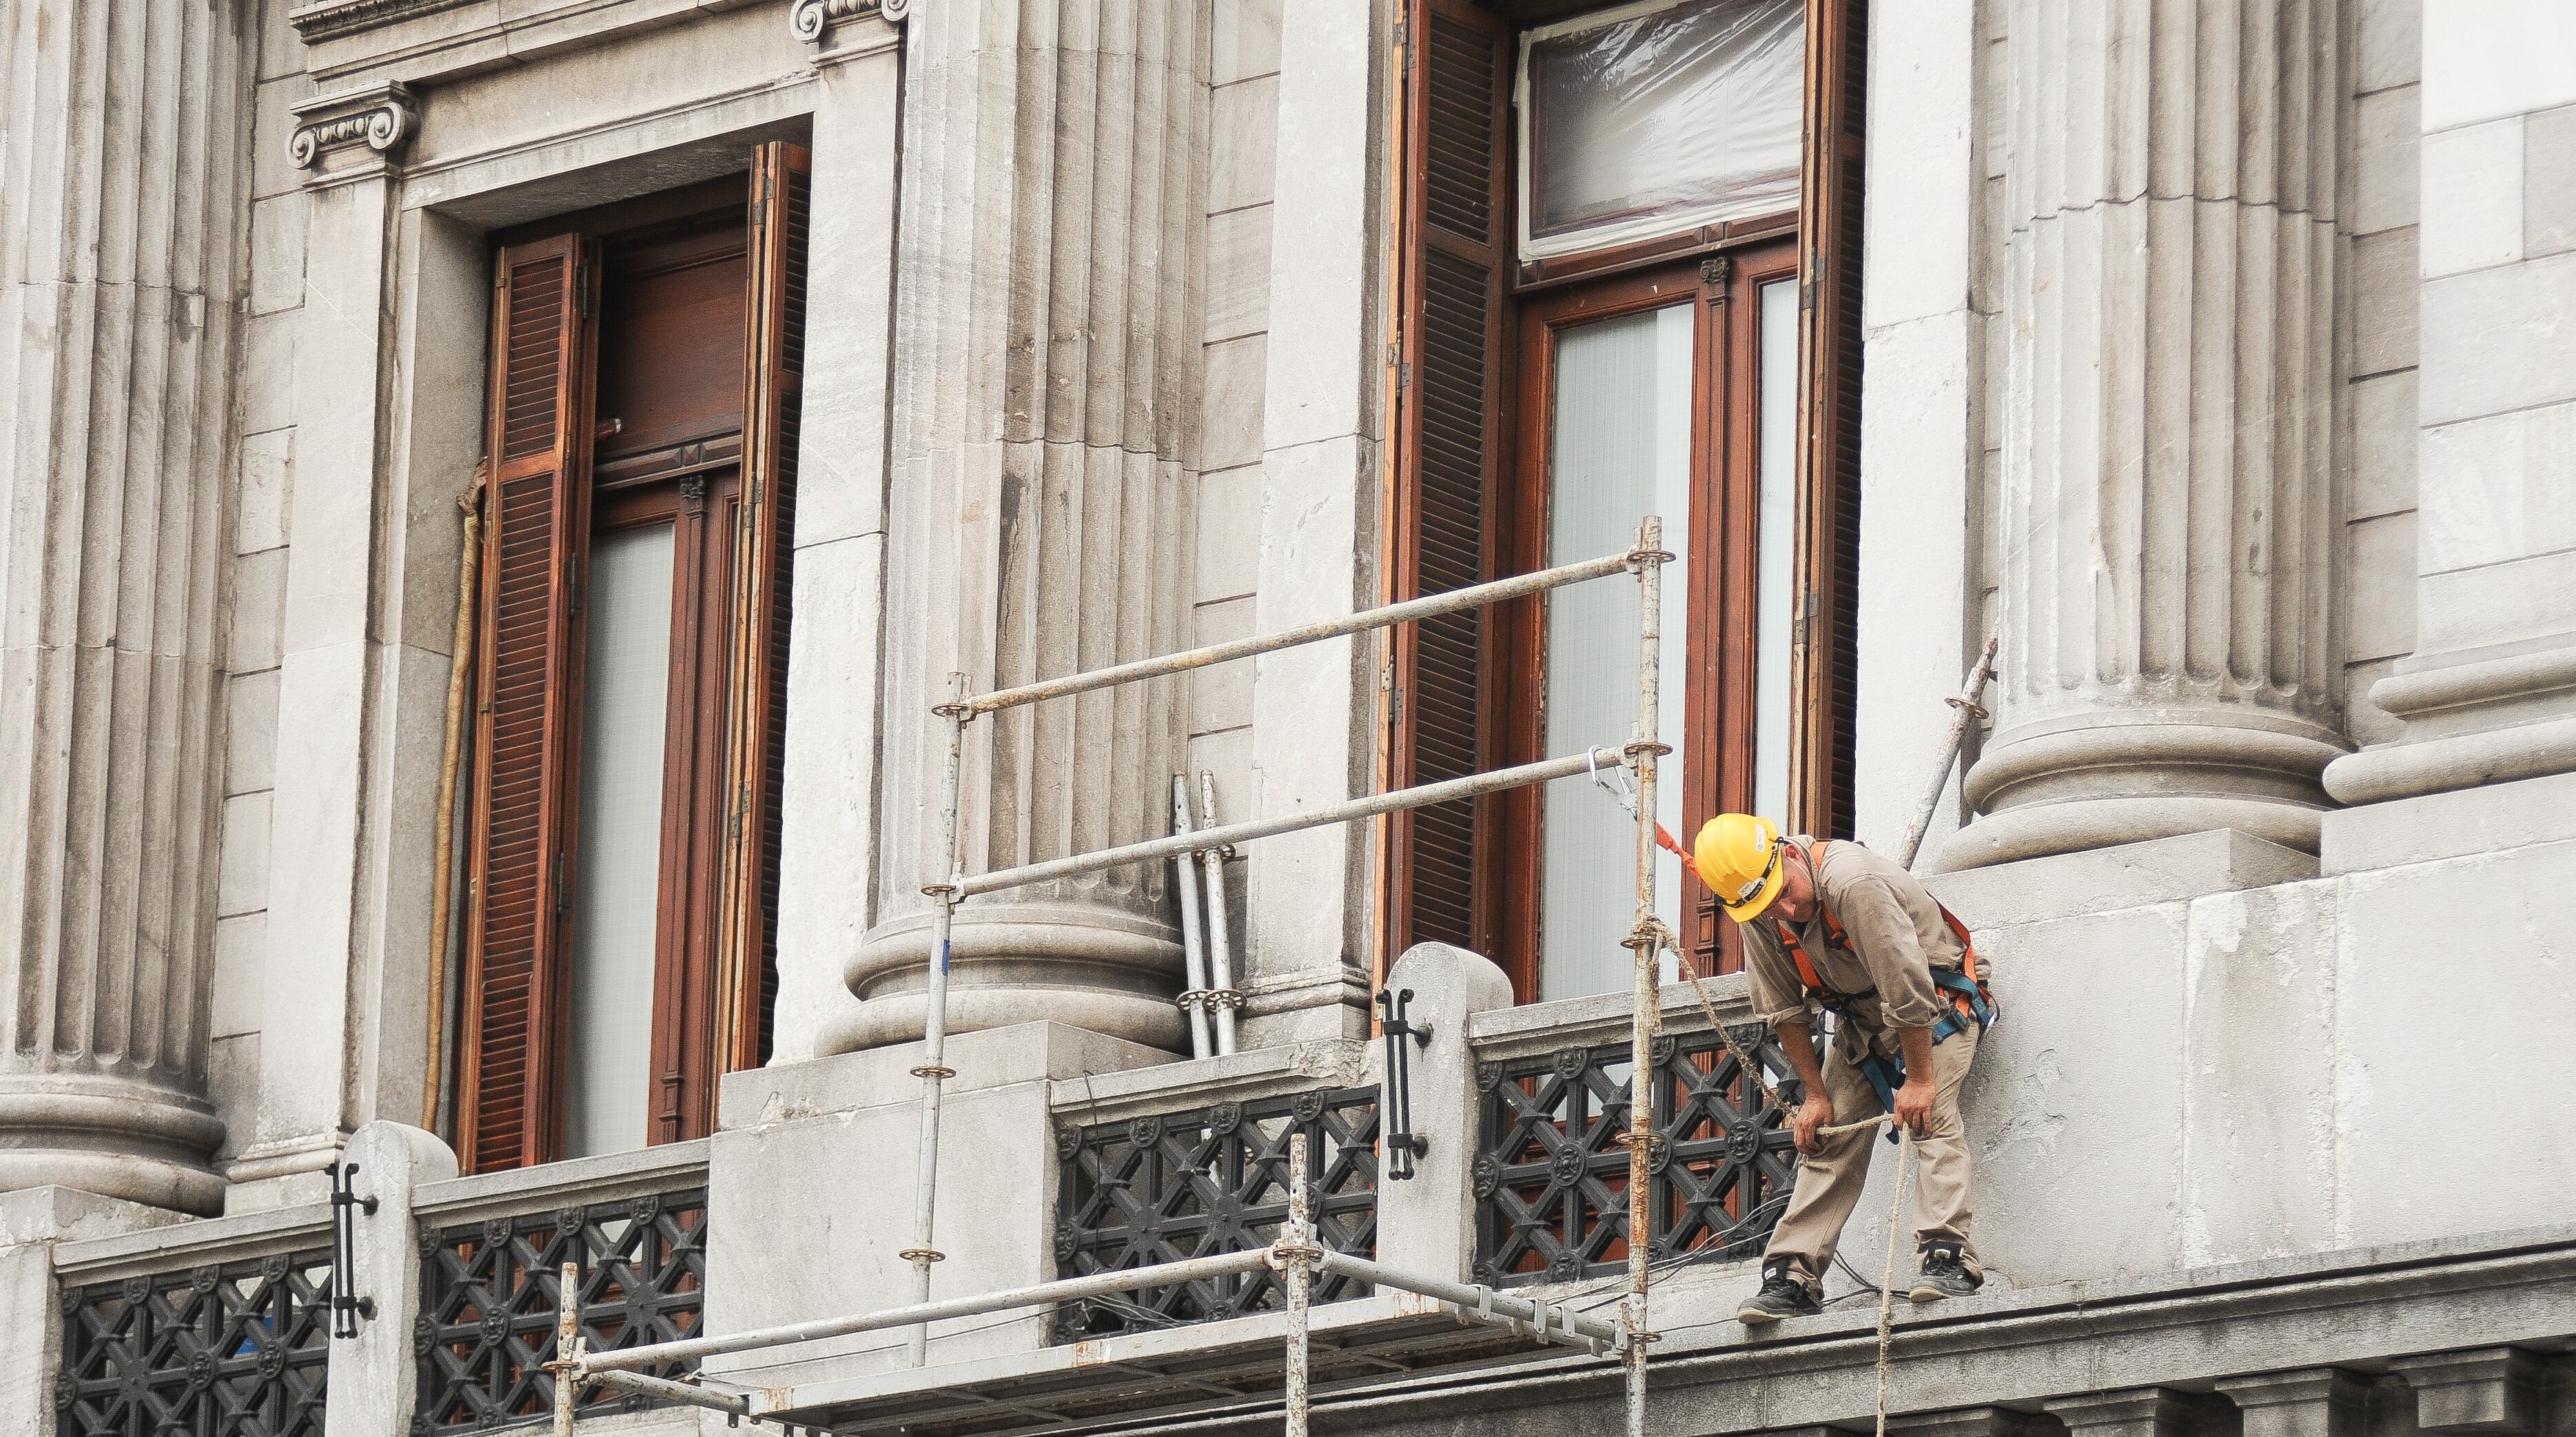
122 226
1047 383
2164 540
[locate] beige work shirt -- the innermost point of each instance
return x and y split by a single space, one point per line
1897 935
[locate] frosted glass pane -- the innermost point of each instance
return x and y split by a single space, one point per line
1776 561
1655 122
1620 451
626 685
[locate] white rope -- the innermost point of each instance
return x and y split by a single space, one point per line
1887 1280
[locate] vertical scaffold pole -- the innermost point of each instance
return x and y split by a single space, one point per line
934 1021
1645 941
567 1347
1296 1253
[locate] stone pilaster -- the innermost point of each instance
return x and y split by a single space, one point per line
2489 694
2167 407
1047 381
122 246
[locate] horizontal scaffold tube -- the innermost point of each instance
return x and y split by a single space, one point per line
1348 810
1553 1322
1379 618
1098 1284
663 1389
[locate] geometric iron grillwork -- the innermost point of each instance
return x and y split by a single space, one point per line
237 1349
1551 1169
1212 1180
489 1292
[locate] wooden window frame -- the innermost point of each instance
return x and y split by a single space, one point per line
1818 243
729 493
1715 735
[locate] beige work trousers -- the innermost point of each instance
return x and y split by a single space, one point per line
1829 1183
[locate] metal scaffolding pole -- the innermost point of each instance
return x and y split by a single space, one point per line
1646 942
956 886
1383 617
934 1069
1295 1255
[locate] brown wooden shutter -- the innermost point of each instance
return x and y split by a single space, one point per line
773 409
1829 399
1452 338
538 442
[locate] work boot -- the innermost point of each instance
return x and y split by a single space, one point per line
1782 1295
1944 1275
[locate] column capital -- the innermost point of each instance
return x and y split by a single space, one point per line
378 118
812 20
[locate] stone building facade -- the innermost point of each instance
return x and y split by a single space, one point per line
2215 358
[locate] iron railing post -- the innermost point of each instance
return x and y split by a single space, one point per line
934 1069
1645 941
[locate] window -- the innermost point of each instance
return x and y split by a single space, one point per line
1608 229
632 666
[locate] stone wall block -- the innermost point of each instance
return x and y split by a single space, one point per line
2168 393
1049 321
126 238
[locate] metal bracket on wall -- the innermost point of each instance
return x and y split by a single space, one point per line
1403 1144
346 1306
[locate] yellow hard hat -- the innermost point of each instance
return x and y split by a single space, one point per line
1738 857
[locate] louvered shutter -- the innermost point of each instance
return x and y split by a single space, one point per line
538 440
1829 397
774 393
1452 340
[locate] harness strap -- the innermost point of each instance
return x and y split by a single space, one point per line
1970 1000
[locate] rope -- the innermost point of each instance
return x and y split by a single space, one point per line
1887 1281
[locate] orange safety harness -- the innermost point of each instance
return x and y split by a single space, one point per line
1970 1000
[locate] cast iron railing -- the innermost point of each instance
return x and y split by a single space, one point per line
1211 1180
234 1349
1551 1170
489 1290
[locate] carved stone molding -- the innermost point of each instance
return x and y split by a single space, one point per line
813 19
379 117
331 19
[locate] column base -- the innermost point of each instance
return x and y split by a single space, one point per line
2098 779
109 1137
2473 717
1083 966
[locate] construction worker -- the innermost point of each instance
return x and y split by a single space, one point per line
1833 925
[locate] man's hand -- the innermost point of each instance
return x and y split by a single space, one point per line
1816 1112
1914 1105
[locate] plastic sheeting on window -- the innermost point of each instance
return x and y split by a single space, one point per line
1656 121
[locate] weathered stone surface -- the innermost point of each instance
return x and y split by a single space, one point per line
124 233
2168 663
1048 340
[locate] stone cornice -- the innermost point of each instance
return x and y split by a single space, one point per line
813 19
379 117
330 19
